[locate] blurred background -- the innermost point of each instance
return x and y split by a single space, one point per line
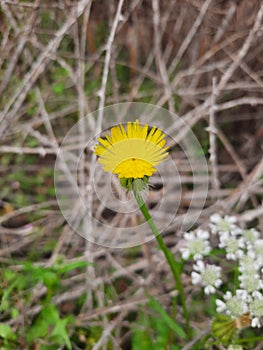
60 61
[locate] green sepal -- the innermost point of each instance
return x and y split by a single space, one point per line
139 185
136 185
126 183
223 328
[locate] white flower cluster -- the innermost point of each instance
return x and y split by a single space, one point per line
235 347
245 249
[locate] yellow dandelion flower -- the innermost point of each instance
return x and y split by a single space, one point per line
132 153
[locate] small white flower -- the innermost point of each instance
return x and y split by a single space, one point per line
220 306
197 244
225 224
258 250
250 282
209 276
234 347
256 309
233 246
248 265
250 236
234 305
254 251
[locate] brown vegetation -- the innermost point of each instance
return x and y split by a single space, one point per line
61 60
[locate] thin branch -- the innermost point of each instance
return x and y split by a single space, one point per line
243 51
102 91
12 107
90 185
158 55
212 140
190 35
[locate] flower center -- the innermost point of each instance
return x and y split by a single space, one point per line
210 275
134 168
232 245
256 308
197 245
236 306
250 283
224 225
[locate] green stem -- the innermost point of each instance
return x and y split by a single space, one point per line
175 268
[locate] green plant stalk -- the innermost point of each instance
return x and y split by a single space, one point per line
169 257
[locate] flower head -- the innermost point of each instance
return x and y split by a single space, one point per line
249 265
234 305
251 282
257 250
207 275
132 153
197 244
235 347
233 245
250 236
221 224
256 309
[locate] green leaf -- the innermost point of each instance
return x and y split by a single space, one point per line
49 318
39 329
58 89
60 332
50 279
63 268
6 332
5 304
155 305
141 339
